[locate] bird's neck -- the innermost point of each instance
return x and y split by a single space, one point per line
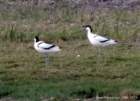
89 32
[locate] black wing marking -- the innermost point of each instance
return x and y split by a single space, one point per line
103 41
49 47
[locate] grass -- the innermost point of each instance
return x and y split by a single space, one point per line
24 75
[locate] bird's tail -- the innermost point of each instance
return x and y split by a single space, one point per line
114 41
56 49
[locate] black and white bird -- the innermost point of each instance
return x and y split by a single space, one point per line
97 40
45 48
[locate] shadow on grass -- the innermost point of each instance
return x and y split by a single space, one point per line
86 93
5 90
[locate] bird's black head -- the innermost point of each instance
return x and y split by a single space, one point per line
36 39
88 27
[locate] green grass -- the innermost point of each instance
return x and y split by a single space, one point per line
24 75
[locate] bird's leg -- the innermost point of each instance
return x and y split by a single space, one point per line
97 53
98 61
46 59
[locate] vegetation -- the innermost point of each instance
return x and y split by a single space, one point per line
79 70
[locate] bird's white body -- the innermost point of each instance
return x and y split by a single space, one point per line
97 40
45 48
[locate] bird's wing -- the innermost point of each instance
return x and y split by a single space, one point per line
101 38
45 45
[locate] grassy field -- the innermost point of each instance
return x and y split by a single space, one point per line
24 74
79 70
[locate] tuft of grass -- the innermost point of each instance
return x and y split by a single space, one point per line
13 35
